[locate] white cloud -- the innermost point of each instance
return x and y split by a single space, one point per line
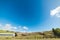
55 12
25 28
0 25
9 27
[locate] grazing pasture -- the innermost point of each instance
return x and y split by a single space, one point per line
32 39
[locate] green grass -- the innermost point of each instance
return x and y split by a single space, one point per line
32 39
31 36
6 31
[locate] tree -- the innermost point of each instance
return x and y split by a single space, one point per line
15 34
56 32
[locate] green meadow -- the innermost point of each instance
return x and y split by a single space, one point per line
53 34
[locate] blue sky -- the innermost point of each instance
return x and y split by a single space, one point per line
33 15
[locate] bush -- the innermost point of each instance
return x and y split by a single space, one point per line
56 32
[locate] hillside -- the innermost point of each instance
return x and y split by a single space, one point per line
6 31
32 35
46 34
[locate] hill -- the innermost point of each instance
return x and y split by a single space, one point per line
6 31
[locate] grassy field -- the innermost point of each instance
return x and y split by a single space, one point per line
29 36
31 39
